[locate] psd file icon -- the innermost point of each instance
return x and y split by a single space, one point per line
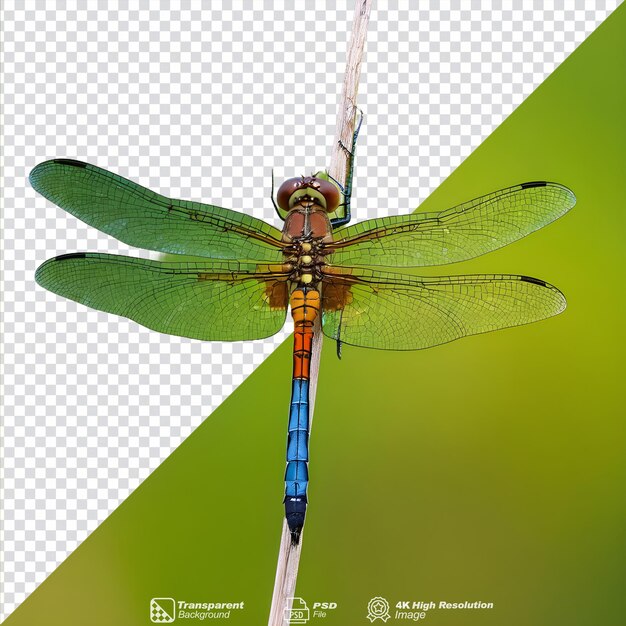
162 610
299 612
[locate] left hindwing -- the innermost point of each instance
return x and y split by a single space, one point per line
214 301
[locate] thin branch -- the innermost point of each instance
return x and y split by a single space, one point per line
289 554
346 113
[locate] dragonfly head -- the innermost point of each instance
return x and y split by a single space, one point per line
318 190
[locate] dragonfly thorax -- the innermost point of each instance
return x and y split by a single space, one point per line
308 201
305 257
307 222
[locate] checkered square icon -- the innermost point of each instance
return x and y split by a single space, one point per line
162 610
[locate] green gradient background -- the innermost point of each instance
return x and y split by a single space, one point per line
491 468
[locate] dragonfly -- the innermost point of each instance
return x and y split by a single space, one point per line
348 278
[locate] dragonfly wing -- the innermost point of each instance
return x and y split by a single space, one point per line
216 300
457 234
373 309
145 219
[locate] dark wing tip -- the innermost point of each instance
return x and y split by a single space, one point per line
545 183
41 270
72 162
535 281
71 255
555 291
40 168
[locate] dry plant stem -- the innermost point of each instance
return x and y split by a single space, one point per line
347 106
289 554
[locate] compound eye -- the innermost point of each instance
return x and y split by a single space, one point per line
286 190
330 193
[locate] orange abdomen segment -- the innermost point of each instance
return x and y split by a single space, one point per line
305 307
303 341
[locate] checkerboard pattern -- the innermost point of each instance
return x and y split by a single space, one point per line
202 104
162 610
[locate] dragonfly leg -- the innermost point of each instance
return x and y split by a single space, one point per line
347 190
339 335
272 198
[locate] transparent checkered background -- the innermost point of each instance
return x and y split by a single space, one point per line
201 104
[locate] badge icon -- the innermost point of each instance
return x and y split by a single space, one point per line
162 610
378 608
